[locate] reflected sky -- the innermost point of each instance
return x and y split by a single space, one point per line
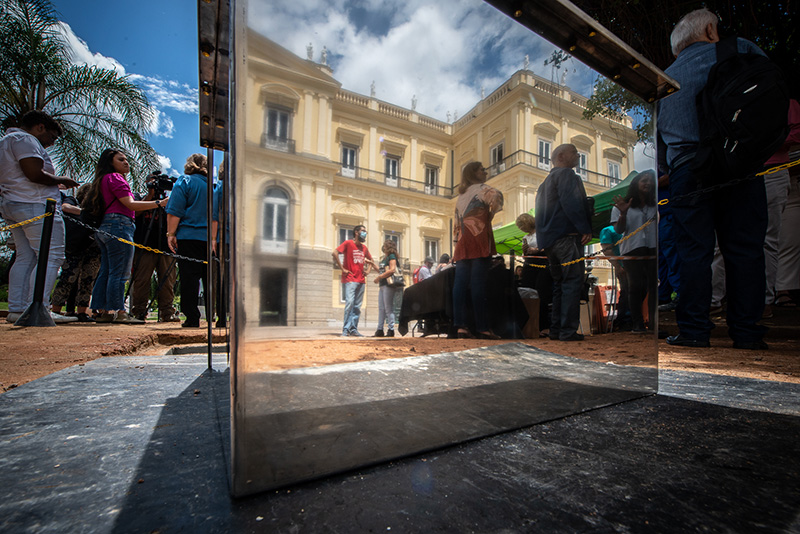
442 54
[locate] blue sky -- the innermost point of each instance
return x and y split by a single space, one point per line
442 52
155 42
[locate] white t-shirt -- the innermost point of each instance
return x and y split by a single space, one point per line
424 273
18 144
530 240
637 217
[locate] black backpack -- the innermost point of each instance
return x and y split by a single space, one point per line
743 114
92 216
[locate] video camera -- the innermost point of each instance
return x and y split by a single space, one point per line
160 183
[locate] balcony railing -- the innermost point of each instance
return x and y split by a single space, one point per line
400 182
530 159
277 143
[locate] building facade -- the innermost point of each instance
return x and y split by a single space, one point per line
319 159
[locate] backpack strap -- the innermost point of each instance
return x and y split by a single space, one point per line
727 48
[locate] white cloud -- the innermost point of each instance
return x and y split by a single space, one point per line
167 93
161 125
643 157
81 55
443 52
165 163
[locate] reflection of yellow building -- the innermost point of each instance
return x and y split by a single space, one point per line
320 159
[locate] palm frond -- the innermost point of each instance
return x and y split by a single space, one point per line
97 107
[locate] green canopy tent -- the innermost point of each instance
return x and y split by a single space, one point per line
509 237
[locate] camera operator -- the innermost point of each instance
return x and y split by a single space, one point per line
151 228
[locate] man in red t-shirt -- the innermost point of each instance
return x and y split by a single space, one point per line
357 263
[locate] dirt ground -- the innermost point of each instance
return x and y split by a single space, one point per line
30 353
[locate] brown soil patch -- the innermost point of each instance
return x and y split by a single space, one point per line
29 353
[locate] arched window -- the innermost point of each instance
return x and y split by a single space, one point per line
275 229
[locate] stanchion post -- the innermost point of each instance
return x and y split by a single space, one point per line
210 286
37 314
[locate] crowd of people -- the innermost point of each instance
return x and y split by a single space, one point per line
96 265
736 244
743 237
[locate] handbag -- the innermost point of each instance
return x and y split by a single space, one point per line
396 280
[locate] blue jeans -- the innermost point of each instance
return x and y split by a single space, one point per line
116 260
386 296
22 276
567 285
353 296
738 215
471 277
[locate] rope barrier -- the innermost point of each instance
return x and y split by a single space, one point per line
92 228
139 246
737 181
664 202
23 223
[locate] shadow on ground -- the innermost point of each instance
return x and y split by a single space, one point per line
656 464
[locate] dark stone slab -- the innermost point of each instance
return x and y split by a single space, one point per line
74 447
301 424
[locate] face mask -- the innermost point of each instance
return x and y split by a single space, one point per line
362 235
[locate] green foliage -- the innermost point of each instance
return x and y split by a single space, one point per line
612 101
97 107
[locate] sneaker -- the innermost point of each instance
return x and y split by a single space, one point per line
104 318
123 318
169 318
345 334
390 333
379 333
13 317
60 319
356 333
574 337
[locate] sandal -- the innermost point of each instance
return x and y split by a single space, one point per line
785 301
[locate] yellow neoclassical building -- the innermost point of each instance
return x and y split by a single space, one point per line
319 159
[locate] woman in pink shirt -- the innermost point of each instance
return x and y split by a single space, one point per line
111 195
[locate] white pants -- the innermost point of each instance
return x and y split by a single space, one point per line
22 276
778 186
788 276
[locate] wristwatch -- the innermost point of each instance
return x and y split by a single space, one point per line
170 235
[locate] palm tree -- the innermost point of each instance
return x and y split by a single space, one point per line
97 107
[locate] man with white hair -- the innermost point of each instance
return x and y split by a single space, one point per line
737 213
562 229
425 269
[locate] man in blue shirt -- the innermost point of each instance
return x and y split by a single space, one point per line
562 228
737 213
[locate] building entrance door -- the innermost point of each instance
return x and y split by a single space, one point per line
274 296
